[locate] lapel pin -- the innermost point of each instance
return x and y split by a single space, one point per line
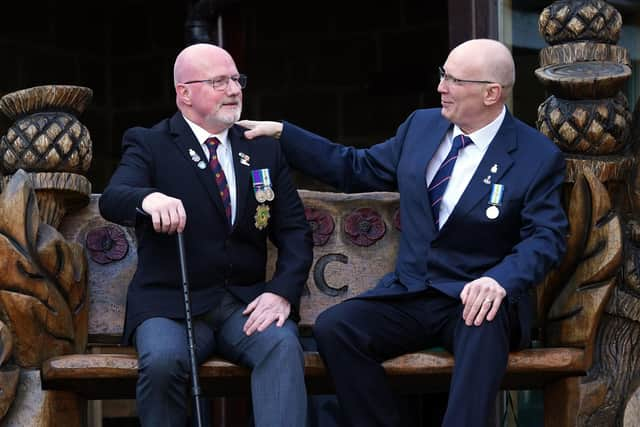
487 180
494 168
194 156
244 159
201 164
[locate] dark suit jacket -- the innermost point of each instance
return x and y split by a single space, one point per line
517 248
218 256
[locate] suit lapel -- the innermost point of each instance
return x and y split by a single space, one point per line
497 154
187 144
244 186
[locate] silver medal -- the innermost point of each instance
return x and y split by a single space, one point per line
261 195
492 212
269 195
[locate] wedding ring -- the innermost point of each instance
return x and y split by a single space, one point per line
489 300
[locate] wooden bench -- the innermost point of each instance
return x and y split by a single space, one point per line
350 254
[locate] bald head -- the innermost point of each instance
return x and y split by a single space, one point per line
196 61
489 59
208 87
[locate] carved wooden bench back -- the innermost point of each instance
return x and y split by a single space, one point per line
355 243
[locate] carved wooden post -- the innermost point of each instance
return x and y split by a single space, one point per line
587 116
43 277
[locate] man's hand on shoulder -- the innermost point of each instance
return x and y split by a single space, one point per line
167 213
263 310
481 299
261 128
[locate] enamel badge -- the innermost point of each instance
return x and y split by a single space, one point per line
244 159
262 216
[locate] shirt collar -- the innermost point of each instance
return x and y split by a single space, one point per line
483 137
202 135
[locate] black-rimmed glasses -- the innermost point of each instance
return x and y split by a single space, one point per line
221 83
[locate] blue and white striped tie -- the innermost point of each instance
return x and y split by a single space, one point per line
441 179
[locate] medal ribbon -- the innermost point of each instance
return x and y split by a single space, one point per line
497 190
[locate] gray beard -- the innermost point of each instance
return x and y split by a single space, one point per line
230 119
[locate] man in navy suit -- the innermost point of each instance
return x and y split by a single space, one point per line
482 223
196 173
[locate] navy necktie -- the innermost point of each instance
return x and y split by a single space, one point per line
221 179
441 179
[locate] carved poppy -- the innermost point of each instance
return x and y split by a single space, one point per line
107 244
321 224
396 220
364 226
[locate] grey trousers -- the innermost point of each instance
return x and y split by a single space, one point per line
275 357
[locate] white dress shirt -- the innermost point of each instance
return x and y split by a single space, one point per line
225 157
466 164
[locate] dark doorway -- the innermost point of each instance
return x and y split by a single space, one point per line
351 71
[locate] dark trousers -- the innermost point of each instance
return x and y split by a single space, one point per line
355 336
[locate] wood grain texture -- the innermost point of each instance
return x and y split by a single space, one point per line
91 374
46 97
584 51
594 256
43 296
584 80
597 127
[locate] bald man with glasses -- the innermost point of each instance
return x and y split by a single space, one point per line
482 224
196 173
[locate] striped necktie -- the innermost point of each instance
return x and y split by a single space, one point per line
221 179
440 181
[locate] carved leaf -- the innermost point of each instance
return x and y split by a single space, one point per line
575 312
579 214
42 280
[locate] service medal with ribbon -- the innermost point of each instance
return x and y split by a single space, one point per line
262 216
495 201
268 193
262 188
260 194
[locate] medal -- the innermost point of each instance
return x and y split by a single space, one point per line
261 195
262 216
495 200
492 212
262 185
269 194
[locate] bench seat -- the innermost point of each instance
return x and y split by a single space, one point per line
113 376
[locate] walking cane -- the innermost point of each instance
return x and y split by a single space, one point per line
195 383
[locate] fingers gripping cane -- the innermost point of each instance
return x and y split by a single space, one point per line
191 342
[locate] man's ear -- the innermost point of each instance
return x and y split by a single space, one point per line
492 94
184 94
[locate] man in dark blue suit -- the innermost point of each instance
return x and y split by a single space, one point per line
196 173
482 223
